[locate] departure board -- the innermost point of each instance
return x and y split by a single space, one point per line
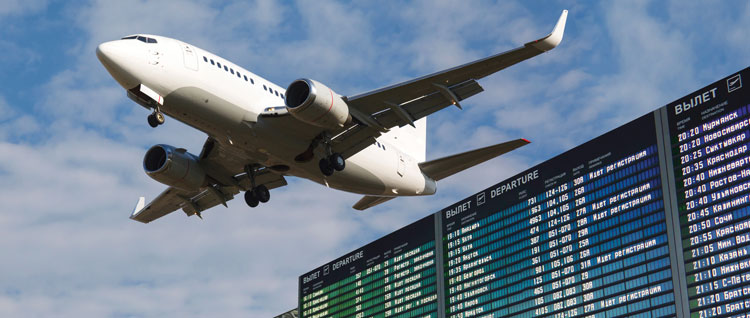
710 132
651 219
581 234
391 277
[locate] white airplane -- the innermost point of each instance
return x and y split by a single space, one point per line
258 133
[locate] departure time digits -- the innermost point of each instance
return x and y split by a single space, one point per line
712 168
568 250
391 277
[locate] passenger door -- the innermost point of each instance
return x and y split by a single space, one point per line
190 57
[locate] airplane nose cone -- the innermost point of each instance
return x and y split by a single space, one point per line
107 53
117 58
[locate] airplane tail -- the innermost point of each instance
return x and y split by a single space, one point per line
447 166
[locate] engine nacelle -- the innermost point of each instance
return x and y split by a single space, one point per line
174 167
316 104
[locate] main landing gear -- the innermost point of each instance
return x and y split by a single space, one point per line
256 194
155 119
331 163
334 162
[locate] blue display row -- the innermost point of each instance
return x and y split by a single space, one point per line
519 212
527 223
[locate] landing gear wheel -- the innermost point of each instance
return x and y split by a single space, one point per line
325 167
261 193
250 199
155 119
337 161
152 121
159 117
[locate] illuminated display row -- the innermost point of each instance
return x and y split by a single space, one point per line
711 162
394 277
651 219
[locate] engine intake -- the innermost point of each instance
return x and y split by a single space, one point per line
316 104
174 167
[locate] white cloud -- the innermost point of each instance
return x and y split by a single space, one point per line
569 82
108 20
14 124
441 42
328 35
70 200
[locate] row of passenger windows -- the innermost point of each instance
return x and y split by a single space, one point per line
240 76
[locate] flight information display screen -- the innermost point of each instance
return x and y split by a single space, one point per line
391 277
710 132
651 219
581 234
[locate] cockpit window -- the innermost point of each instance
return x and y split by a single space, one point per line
140 38
146 40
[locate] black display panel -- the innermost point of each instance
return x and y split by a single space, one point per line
581 234
651 219
391 277
710 134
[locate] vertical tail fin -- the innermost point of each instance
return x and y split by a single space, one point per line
410 140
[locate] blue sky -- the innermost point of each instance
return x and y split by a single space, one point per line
71 143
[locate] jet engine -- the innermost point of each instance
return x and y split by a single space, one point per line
316 104
174 167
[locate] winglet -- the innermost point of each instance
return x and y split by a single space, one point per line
138 207
553 39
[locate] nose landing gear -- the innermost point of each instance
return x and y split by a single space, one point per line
155 119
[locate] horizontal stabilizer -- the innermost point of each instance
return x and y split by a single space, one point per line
370 201
444 167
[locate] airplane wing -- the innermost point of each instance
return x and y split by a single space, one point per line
226 167
425 95
401 104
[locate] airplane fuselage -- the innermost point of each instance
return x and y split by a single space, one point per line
226 101
371 143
